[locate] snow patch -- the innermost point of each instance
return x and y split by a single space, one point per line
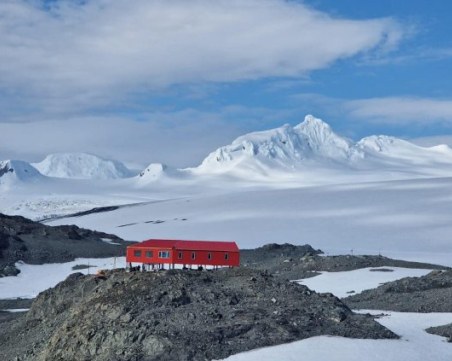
341 284
110 241
34 279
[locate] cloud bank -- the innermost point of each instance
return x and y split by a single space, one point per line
71 56
401 110
177 139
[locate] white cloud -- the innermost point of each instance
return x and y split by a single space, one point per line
179 139
77 55
401 110
433 140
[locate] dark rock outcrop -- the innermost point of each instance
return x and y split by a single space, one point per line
445 331
430 293
175 315
36 243
296 262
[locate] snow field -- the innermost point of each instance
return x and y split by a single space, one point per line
34 279
400 219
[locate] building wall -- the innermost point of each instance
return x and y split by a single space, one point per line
131 255
214 258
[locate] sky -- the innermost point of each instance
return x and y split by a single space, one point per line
171 80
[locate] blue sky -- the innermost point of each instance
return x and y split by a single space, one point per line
169 81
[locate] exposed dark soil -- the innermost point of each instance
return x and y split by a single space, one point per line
445 331
175 315
430 293
296 262
36 243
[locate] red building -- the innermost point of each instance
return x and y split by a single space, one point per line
158 252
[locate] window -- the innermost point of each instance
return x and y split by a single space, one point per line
149 254
209 256
226 256
180 255
163 254
193 255
137 253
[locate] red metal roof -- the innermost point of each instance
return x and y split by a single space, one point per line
157 243
189 245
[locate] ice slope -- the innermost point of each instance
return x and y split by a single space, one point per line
14 172
311 152
82 166
407 219
384 152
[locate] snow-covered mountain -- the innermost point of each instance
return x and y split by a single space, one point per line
306 154
313 147
82 166
151 173
16 171
162 174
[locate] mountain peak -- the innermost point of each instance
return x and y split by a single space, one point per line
315 128
285 147
17 170
82 166
313 122
312 146
321 138
153 171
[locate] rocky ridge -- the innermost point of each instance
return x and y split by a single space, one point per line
430 293
24 240
175 315
296 262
